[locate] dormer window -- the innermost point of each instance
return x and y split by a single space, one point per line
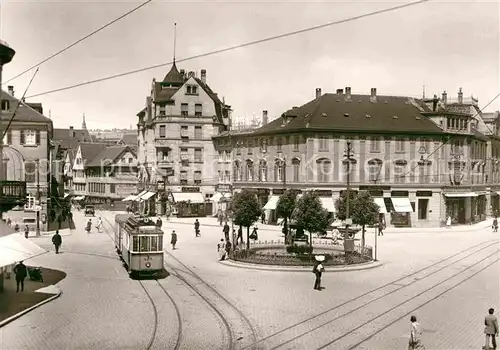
5 105
191 90
162 109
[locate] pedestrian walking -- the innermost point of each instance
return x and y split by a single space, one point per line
221 249
263 218
26 231
380 229
197 228
318 271
228 248
88 228
159 223
225 230
9 221
254 235
99 225
490 330
16 227
415 340
448 222
173 240
21 272
57 241
240 235
495 224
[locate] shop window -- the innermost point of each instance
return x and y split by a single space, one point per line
423 204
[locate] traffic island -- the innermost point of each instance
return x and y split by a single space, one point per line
275 257
13 305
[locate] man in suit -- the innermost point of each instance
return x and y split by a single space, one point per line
21 272
490 329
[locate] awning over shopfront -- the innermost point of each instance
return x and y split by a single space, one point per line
380 202
402 205
66 195
193 197
463 194
147 196
328 204
129 198
138 197
271 203
482 193
15 248
217 197
79 198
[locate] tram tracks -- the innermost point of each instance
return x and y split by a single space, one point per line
344 320
239 330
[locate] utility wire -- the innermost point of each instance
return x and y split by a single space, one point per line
234 47
18 104
80 40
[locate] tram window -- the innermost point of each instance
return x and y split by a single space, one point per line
160 242
154 243
135 244
144 243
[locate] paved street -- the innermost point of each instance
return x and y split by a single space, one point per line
100 303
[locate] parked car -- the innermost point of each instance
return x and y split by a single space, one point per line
89 210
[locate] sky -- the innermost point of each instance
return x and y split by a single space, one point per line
442 45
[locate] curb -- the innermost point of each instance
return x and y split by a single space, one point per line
24 312
328 269
214 225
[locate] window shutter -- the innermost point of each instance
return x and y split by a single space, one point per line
37 135
22 137
9 137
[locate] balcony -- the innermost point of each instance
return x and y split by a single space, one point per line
12 193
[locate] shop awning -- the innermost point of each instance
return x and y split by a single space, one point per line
66 195
481 193
402 205
498 192
271 203
15 248
463 194
328 204
217 197
138 197
380 202
129 198
193 197
79 198
147 196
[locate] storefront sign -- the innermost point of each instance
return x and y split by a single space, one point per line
322 193
376 193
190 189
223 188
260 191
399 194
279 191
374 188
424 193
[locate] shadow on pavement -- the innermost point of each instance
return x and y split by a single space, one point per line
11 302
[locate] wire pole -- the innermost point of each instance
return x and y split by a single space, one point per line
38 197
348 157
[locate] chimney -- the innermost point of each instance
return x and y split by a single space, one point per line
264 117
204 76
373 95
435 101
149 112
340 91
444 98
318 92
183 72
348 92
460 96
71 131
10 88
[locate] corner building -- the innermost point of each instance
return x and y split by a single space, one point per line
420 159
176 155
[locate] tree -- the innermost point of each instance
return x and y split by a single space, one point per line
246 211
310 215
285 207
362 210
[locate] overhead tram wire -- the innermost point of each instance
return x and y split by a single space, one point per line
234 47
79 40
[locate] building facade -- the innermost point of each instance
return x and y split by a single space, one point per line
104 174
421 160
27 155
176 155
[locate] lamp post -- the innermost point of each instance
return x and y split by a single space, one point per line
348 153
39 201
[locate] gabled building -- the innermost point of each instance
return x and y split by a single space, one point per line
104 174
176 156
418 159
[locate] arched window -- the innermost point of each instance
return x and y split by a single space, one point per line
374 169
278 170
324 169
263 170
296 169
237 170
399 171
249 172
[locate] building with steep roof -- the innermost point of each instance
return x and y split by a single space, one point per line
104 174
27 153
420 160
176 155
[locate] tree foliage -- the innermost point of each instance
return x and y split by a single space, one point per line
245 210
285 207
309 213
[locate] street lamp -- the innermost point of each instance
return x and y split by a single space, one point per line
39 201
348 153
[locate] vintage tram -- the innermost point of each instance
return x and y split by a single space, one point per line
139 242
